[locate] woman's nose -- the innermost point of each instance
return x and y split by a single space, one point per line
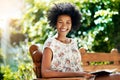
64 25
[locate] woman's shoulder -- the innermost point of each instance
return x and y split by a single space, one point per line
73 40
47 43
48 40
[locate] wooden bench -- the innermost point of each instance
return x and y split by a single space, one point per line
113 58
100 60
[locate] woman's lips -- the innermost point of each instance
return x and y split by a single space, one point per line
63 30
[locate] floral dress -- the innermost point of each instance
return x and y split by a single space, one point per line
66 57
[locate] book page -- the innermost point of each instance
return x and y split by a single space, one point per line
103 72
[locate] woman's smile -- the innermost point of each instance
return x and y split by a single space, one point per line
63 29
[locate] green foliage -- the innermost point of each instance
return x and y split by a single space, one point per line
1 56
20 64
35 23
104 36
7 73
24 72
1 74
116 20
98 23
99 63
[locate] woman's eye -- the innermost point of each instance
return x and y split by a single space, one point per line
68 22
59 22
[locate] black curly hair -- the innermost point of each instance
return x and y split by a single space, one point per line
67 9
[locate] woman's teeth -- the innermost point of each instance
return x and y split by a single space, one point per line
63 29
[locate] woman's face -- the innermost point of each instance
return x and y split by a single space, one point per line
64 24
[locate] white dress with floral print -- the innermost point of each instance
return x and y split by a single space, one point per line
66 57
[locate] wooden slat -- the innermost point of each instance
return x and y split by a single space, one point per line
100 57
101 67
74 78
109 77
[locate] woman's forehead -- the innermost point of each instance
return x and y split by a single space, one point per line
66 17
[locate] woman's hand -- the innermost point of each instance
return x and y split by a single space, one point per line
88 75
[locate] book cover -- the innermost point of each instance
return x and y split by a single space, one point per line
103 72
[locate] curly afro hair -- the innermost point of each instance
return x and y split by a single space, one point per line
67 9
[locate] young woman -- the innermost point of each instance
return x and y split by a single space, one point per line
61 57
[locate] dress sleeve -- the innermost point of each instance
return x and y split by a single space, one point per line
76 46
47 43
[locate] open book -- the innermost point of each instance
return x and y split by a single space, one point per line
103 72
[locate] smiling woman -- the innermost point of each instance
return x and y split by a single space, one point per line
61 57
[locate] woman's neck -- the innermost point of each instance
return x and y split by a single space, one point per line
63 39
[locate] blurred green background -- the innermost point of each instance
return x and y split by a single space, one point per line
100 32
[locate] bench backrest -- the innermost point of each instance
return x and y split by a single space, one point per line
37 60
101 60
88 59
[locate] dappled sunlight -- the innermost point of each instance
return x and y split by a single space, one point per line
13 52
8 10
5 40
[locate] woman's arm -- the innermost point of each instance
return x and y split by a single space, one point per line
47 73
